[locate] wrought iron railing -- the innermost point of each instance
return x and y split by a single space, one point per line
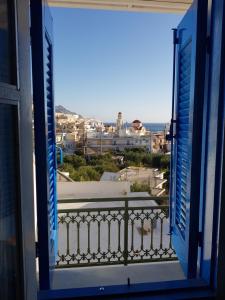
117 232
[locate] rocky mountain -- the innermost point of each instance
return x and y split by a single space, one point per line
62 109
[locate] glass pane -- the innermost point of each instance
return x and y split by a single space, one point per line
7 42
9 199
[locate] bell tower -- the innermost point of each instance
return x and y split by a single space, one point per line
119 122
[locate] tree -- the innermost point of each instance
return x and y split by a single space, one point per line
167 177
156 158
87 173
165 162
66 167
147 160
140 187
75 160
92 167
110 167
133 157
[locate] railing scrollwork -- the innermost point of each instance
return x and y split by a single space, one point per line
124 233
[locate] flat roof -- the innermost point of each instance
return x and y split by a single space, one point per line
169 6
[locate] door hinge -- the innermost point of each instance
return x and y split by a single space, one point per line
200 239
208 44
37 249
175 37
171 135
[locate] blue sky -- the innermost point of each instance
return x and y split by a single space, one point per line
109 61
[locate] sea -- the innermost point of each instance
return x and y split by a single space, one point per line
153 127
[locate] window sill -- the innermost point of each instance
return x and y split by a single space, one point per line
72 284
101 276
184 289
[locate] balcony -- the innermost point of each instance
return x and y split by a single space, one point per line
95 232
104 241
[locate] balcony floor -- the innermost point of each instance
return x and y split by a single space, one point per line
116 275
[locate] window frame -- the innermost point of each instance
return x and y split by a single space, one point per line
13 39
10 95
194 287
18 216
218 241
212 211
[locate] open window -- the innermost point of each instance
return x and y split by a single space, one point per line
186 136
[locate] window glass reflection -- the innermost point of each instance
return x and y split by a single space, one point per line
7 42
9 198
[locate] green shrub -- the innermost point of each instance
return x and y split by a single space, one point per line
83 168
165 162
88 173
140 187
147 160
75 160
66 167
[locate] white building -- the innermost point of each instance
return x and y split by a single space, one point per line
121 138
100 142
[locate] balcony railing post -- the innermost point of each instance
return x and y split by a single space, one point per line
126 219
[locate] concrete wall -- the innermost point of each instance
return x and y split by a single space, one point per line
92 189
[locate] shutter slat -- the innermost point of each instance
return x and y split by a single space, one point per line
182 138
50 138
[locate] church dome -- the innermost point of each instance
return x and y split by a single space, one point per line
137 124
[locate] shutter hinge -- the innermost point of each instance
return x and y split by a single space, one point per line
175 37
200 239
208 44
37 249
171 135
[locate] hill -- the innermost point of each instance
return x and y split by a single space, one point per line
62 109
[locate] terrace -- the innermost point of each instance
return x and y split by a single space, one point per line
110 231
108 235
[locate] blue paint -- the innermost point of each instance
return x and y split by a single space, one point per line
187 146
44 130
51 148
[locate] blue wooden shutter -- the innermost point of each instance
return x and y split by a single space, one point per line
50 110
185 191
45 148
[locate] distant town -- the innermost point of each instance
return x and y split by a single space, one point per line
92 136
113 152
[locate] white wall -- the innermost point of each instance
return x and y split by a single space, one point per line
92 189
